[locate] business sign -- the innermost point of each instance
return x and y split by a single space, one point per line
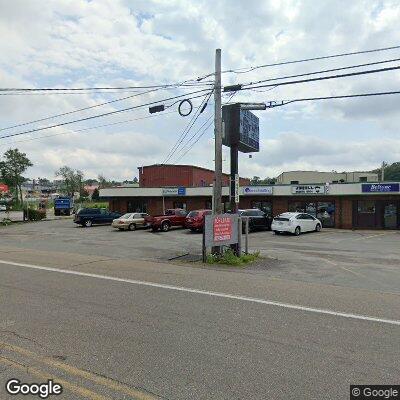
257 190
221 230
380 187
178 191
237 188
3 188
308 189
241 129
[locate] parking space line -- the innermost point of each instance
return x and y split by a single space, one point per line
209 293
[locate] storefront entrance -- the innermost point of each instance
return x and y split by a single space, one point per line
390 216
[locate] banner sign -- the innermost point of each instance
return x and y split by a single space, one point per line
380 187
221 230
258 190
178 191
308 189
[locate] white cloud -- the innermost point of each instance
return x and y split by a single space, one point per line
104 42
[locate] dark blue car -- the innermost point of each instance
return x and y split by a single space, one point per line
90 216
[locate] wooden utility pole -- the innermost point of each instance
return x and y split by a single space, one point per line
218 135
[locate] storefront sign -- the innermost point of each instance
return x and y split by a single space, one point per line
178 191
237 188
221 230
308 189
258 190
380 187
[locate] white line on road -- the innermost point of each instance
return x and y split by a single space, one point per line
208 293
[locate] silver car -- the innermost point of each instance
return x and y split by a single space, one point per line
129 221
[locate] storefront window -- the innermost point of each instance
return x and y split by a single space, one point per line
265 206
208 205
366 207
297 206
136 206
179 204
326 213
311 209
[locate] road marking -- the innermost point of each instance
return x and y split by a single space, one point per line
209 293
108 383
83 392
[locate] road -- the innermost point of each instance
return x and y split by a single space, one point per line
121 328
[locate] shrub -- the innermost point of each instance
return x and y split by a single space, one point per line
228 257
34 215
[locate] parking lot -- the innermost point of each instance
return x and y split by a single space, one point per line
360 259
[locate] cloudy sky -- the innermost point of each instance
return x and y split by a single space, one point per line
117 43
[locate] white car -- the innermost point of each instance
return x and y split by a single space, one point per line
3 207
295 222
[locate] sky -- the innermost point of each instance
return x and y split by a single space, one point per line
120 43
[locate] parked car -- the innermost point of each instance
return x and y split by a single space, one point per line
130 221
257 219
3 207
295 222
173 217
90 216
195 219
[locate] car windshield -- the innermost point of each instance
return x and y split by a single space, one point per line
193 214
170 212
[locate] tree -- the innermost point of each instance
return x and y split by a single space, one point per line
72 180
95 195
103 182
135 180
11 169
255 180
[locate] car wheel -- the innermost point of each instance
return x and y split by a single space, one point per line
165 226
132 227
318 228
297 231
88 223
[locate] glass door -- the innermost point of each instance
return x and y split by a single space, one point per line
390 216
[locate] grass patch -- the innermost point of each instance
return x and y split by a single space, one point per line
228 257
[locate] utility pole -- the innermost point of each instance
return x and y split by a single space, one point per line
218 135
383 171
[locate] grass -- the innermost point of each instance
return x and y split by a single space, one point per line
228 257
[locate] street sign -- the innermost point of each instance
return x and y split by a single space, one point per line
241 129
237 188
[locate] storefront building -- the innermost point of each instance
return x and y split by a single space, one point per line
344 205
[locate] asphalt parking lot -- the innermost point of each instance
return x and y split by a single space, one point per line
360 259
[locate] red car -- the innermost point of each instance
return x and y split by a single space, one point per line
175 217
195 219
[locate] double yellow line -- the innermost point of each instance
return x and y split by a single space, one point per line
70 370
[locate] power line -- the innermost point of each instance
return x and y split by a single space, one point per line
238 71
273 104
239 87
187 128
108 113
183 84
87 129
323 71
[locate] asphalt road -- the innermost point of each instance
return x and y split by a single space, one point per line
106 325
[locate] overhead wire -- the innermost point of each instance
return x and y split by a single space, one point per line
187 128
108 113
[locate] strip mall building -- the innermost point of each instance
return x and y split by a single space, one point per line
340 205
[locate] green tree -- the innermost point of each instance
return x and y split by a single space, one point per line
72 180
95 195
103 182
13 165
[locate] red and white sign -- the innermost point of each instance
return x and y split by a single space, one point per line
3 188
222 229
